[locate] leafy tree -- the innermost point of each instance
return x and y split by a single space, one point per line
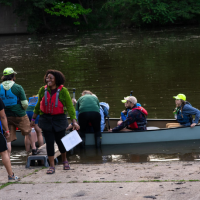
68 9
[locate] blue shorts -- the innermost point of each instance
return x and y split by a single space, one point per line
30 114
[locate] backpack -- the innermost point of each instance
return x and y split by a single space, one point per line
105 111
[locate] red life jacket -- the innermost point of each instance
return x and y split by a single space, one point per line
135 125
51 104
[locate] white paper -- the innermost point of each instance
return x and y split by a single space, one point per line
71 140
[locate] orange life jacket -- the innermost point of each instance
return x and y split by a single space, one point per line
51 104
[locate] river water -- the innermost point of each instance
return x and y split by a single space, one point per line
155 65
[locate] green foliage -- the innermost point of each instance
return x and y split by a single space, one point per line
68 9
6 2
142 12
55 14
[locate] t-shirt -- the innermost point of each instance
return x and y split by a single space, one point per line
16 110
2 106
87 103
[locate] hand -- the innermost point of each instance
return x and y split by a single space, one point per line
74 101
69 127
32 123
110 130
7 135
124 111
193 125
75 126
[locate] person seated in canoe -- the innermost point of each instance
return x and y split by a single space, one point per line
136 119
124 113
183 113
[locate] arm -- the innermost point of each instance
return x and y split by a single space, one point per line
193 111
4 123
70 108
36 110
129 120
22 97
123 116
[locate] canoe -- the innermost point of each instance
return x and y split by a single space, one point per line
156 133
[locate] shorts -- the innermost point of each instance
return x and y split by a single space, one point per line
30 114
22 123
3 143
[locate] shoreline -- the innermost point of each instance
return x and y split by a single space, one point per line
154 180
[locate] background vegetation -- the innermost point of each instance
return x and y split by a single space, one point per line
55 15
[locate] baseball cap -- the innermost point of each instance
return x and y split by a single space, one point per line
124 100
180 96
132 99
8 71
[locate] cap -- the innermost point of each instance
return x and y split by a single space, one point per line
180 96
132 99
124 100
8 71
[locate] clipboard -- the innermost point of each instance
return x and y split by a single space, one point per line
71 140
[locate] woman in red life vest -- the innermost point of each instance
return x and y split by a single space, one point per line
54 102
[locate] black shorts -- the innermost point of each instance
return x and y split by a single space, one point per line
3 143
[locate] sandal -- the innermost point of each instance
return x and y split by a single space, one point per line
66 165
51 170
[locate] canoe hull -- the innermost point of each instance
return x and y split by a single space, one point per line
160 135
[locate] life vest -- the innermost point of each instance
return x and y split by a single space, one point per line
141 122
8 98
182 118
51 104
32 101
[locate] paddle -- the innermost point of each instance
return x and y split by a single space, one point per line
74 90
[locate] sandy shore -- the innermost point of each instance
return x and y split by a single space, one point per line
152 180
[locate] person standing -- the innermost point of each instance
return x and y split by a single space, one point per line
3 144
14 99
53 103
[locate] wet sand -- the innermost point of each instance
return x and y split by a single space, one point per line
151 180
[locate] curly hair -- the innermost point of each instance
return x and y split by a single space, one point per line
59 76
8 77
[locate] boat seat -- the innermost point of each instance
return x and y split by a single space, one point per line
152 128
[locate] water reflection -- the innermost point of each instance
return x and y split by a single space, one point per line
154 64
132 153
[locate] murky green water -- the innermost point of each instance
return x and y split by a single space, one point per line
156 65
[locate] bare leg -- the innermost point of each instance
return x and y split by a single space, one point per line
126 129
6 162
39 135
27 143
31 141
64 157
9 148
51 161
119 122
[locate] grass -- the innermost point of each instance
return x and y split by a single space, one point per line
7 184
